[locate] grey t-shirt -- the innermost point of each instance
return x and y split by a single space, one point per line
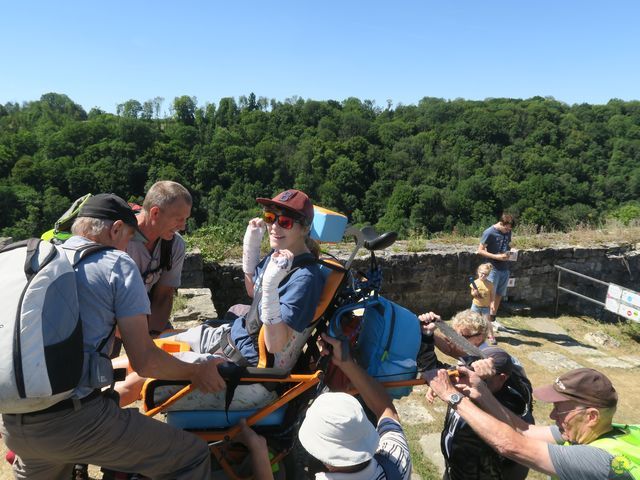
109 287
496 242
582 462
149 261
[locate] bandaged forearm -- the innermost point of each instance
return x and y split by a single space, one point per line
270 304
276 271
251 249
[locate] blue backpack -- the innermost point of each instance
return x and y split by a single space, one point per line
387 341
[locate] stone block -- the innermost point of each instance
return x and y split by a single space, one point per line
610 362
192 270
430 445
588 252
554 362
413 411
198 305
601 339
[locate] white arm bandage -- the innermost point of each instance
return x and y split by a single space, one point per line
275 272
251 248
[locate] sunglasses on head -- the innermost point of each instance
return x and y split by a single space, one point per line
284 221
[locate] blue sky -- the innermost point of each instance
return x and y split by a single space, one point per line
104 53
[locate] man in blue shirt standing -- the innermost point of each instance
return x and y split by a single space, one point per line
495 246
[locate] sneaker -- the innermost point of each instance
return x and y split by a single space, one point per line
80 472
497 326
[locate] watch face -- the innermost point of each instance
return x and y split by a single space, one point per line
455 399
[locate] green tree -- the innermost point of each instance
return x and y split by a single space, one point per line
185 109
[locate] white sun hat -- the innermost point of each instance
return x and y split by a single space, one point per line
337 432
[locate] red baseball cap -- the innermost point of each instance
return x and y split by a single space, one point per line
291 200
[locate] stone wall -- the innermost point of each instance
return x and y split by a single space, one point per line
438 279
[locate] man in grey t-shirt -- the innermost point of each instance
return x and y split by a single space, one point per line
90 428
584 444
495 246
164 213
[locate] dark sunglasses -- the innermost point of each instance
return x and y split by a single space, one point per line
470 335
284 221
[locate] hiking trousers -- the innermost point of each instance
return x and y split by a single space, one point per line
101 433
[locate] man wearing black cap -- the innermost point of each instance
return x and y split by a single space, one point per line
89 427
466 455
583 444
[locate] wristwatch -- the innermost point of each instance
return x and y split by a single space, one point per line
455 399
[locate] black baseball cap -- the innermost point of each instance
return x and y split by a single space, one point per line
108 206
502 361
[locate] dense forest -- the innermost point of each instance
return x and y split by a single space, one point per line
436 166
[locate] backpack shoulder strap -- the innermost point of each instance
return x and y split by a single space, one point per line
77 255
33 247
166 251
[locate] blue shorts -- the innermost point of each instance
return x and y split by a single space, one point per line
500 279
480 310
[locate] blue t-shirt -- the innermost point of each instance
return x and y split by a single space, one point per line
496 242
299 296
109 287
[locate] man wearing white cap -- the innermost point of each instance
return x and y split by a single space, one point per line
336 430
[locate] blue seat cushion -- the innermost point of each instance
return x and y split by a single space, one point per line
212 419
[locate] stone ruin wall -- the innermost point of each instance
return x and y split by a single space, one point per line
438 279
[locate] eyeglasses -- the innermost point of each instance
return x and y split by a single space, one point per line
574 409
284 221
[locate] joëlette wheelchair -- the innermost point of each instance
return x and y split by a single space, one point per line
279 420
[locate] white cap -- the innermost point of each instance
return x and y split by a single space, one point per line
337 432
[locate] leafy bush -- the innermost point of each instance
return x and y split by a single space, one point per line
217 242
627 213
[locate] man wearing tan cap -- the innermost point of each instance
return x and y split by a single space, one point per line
584 443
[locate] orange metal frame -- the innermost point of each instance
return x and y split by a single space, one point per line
302 383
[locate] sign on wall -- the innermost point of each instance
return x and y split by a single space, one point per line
623 302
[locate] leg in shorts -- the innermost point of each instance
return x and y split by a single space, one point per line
480 310
500 280
204 340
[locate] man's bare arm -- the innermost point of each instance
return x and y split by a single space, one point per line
483 252
508 442
150 361
475 388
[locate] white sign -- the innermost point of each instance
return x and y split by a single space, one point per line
511 282
513 255
623 302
